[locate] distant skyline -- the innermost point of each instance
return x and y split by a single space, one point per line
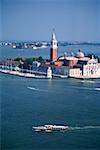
73 20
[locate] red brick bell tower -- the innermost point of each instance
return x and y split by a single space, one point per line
53 50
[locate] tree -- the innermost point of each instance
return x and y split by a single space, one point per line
28 61
40 59
18 59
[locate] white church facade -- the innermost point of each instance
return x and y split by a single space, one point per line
90 68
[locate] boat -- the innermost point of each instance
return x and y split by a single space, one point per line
39 47
50 128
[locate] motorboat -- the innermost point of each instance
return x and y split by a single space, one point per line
39 128
50 128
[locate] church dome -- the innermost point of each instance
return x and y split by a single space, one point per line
80 54
92 60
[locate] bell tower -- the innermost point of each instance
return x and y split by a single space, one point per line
53 50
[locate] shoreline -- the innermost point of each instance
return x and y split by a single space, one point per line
86 77
29 75
21 74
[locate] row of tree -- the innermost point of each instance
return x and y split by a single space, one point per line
26 63
29 60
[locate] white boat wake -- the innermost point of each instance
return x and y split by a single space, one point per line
36 89
84 127
32 88
86 88
88 81
97 89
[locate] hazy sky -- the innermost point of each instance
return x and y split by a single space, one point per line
73 20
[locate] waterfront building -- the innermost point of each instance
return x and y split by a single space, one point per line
86 67
92 68
74 72
74 65
69 60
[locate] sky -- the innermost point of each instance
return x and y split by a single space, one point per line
73 20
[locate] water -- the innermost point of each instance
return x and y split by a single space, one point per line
30 102
13 53
27 102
